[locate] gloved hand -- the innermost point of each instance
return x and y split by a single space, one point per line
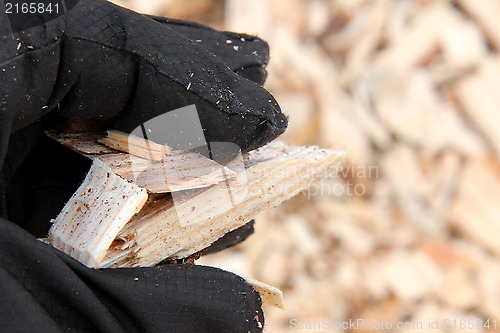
104 63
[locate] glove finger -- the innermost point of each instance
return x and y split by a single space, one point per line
43 288
246 55
104 62
170 71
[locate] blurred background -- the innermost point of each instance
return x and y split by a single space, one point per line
410 230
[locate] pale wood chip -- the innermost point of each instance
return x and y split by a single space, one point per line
416 44
411 268
485 12
475 209
459 290
461 40
95 214
178 171
479 96
414 111
135 145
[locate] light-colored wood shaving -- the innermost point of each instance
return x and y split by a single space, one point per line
485 14
136 146
177 172
95 214
269 294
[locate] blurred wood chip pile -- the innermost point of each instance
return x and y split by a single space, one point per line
411 89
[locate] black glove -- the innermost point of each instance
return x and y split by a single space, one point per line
102 62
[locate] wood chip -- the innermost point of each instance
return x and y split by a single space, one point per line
479 96
486 14
416 113
95 214
269 294
411 268
458 291
177 172
475 210
461 40
136 146
415 45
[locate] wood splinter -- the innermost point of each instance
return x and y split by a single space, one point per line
135 145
